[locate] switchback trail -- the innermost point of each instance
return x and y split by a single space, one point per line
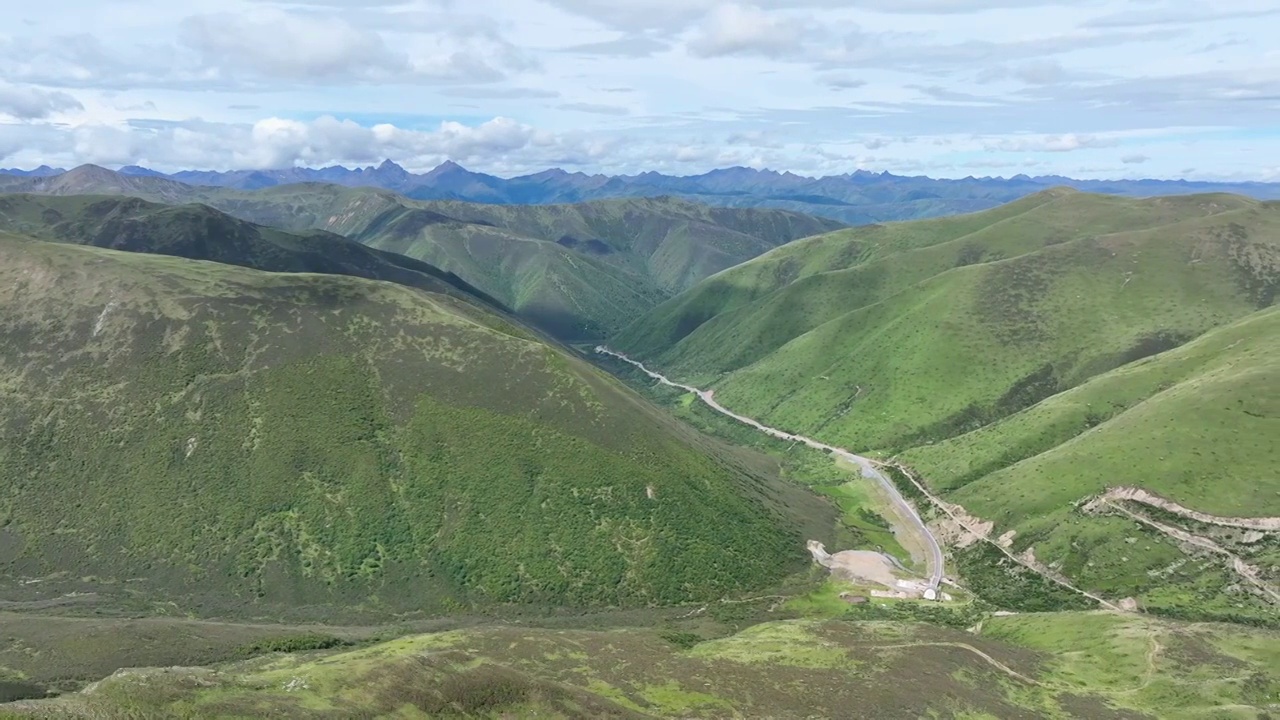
934 560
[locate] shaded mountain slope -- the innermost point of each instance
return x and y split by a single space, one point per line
199 232
580 272
583 271
241 442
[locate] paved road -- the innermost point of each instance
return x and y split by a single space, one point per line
868 466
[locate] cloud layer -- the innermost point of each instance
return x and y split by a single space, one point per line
945 87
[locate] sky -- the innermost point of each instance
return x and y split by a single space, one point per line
946 88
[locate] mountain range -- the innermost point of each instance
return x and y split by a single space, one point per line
853 198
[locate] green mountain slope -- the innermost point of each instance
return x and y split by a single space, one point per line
234 441
931 346
1196 425
742 314
580 272
978 348
199 232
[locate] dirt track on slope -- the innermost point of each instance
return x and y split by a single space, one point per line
1138 495
1249 573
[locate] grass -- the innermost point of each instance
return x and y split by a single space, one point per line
1190 424
1059 315
862 507
791 644
1041 666
1167 669
1022 360
375 451
308 446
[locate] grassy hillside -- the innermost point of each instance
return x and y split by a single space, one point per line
199 232
921 345
580 272
744 313
1195 425
238 442
1043 666
1023 361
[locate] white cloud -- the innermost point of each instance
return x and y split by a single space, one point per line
733 29
500 93
1051 143
277 142
31 103
263 49
1040 72
809 85
1136 159
291 46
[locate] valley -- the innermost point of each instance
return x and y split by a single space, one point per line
644 359
933 561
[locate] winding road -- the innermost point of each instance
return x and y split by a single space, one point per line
868 466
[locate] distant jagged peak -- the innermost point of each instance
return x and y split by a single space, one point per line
390 167
446 167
